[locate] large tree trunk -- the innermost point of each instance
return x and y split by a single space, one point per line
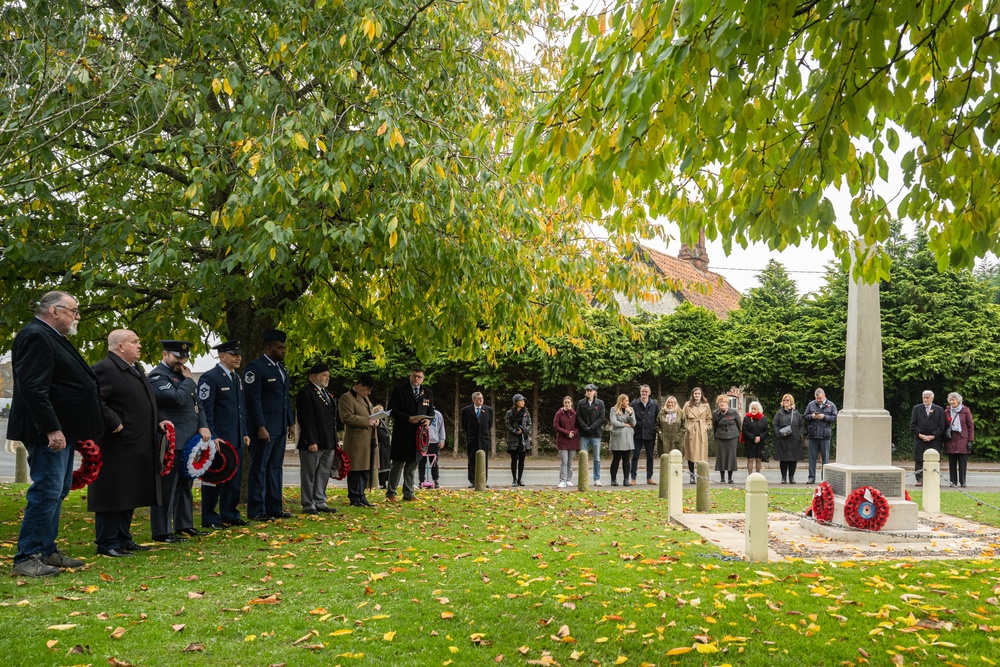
243 323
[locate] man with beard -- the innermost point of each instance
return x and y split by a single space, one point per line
56 402
270 419
130 468
177 400
317 412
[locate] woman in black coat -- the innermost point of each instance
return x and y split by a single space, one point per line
754 436
789 438
518 425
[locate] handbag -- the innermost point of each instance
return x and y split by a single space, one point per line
785 431
946 436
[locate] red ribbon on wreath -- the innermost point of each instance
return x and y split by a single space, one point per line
822 503
170 453
866 508
90 465
341 464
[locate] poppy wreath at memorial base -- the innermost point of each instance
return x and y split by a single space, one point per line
866 508
822 503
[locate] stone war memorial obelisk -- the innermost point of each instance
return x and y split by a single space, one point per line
864 426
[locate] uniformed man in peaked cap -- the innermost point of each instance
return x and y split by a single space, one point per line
177 400
220 391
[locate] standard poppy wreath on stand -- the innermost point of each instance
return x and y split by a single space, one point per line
341 464
197 456
866 508
90 465
822 503
170 454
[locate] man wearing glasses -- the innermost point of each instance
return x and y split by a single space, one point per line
56 403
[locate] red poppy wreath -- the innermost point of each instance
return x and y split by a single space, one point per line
866 508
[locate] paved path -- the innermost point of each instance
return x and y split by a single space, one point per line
544 472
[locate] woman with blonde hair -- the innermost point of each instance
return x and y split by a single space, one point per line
789 438
622 429
670 428
697 415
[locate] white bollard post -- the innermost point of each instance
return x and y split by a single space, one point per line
932 481
756 518
675 503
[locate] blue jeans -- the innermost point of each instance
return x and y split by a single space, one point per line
51 478
817 448
593 445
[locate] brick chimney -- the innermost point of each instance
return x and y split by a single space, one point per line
698 256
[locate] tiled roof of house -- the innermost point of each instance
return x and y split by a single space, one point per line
697 286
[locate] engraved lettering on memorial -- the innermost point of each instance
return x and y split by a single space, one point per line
837 480
888 483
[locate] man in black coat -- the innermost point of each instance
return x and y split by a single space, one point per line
130 469
56 402
317 412
177 400
477 422
927 423
644 435
409 405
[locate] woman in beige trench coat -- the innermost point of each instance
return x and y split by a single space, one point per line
697 429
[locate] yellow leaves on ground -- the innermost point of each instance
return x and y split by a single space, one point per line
341 632
389 636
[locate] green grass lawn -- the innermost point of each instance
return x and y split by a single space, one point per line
522 578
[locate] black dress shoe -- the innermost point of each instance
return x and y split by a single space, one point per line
310 511
366 503
260 517
135 547
327 510
213 526
113 553
281 515
193 532
238 522
169 537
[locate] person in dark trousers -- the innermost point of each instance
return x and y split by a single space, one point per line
176 395
927 423
961 438
518 425
409 405
220 390
644 437
477 422
355 409
270 420
820 416
436 441
56 403
130 465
